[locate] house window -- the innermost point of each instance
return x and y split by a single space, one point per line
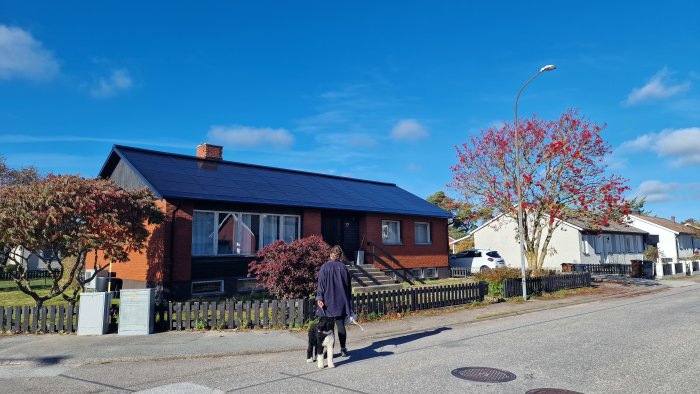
431 273
391 232
584 244
203 233
233 233
207 287
595 242
417 273
629 241
422 233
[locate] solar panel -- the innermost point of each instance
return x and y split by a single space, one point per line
179 176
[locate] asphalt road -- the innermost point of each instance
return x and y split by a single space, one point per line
645 344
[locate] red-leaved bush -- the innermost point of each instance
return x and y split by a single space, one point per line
290 270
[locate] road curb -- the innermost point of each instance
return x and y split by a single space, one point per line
377 336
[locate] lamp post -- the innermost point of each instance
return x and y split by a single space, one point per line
518 183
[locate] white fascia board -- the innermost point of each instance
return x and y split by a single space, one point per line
653 224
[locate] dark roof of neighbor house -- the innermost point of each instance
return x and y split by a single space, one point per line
175 176
610 228
666 223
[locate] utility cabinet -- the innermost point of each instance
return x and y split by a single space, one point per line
93 318
136 311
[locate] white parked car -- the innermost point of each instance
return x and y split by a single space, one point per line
477 260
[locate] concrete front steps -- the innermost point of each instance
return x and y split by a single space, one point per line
366 278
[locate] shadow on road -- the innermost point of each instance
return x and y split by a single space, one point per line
376 349
37 361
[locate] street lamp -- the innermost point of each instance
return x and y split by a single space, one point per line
518 182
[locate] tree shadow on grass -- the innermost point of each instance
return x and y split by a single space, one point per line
376 349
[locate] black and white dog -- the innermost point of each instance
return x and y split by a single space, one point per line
321 340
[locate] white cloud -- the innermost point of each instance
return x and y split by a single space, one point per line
408 130
658 87
248 137
656 191
45 139
682 146
21 56
118 81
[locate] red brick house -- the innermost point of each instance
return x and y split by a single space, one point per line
220 213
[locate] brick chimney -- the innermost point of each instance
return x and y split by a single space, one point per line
673 219
209 151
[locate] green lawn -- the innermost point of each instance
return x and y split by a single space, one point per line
11 296
439 282
10 285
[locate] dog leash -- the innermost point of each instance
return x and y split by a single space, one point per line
350 319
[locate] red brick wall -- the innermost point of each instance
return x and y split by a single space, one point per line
152 264
146 265
408 253
311 222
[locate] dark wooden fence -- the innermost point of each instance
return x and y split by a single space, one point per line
544 284
460 272
248 314
276 313
33 274
604 269
30 319
230 314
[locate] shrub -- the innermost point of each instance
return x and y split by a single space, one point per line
495 278
290 270
651 253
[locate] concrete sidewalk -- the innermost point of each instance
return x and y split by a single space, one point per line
70 349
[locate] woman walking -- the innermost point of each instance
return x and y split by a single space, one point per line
333 294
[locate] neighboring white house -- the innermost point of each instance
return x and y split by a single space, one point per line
675 240
31 261
572 242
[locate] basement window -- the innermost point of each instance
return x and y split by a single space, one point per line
208 287
417 273
431 273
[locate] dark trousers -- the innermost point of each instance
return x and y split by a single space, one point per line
342 335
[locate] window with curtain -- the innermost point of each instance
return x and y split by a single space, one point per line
248 234
290 228
203 233
228 224
391 232
232 233
422 233
270 229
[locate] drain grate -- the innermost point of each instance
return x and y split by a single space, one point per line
483 374
551 391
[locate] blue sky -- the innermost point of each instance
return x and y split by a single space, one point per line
377 91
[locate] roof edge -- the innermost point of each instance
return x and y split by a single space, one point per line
115 150
190 157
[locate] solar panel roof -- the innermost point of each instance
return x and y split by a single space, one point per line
189 177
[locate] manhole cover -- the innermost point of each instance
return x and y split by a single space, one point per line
483 374
551 391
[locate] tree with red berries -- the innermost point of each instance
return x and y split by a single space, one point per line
563 176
